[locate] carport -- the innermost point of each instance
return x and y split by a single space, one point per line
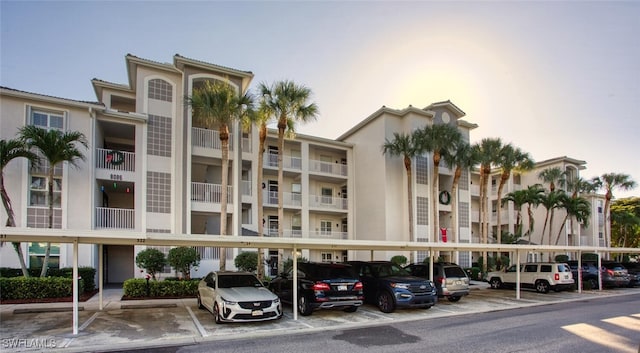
157 239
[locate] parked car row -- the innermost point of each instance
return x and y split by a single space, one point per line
541 276
613 274
240 296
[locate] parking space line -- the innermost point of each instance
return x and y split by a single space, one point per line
446 311
201 329
89 321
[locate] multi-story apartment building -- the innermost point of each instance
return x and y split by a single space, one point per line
149 169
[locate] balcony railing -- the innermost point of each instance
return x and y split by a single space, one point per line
328 168
297 233
115 218
288 162
336 203
115 160
208 193
206 138
289 198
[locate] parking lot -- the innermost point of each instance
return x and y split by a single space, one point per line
123 324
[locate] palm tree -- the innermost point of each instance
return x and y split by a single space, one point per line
488 152
56 147
550 201
10 150
519 199
610 182
405 146
262 119
511 158
461 158
575 207
552 176
533 194
439 140
217 105
288 103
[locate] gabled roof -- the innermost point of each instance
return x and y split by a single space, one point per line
133 61
447 104
180 62
98 85
51 99
564 159
384 110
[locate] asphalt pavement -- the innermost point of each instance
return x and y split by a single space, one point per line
130 324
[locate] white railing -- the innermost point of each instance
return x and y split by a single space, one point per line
289 198
336 203
328 235
288 162
115 160
208 193
115 218
206 138
327 168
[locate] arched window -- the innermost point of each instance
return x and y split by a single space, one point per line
161 90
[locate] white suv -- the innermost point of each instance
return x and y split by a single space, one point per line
541 276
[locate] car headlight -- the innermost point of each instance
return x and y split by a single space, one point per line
276 301
401 285
228 302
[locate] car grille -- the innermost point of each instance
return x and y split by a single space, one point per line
415 288
252 305
252 317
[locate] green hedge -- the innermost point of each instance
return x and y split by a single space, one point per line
137 288
37 288
87 274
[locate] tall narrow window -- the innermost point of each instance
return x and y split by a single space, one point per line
325 227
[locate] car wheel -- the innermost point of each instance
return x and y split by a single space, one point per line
200 306
351 309
427 307
593 283
304 308
495 283
454 299
542 286
216 314
385 302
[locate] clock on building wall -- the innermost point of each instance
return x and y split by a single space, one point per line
445 117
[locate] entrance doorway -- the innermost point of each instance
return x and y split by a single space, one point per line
119 263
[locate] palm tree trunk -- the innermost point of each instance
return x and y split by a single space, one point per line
282 125
454 205
483 214
434 203
561 228
407 165
607 219
260 191
544 227
224 141
47 252
11 222
503 181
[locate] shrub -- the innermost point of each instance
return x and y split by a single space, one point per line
87 274
474 273
182 259
151 260
247 261
288 264
37 287
561 258
399 260
137 288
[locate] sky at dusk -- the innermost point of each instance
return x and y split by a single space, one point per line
553 78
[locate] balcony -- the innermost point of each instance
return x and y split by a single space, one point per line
210 139
114 218
316 234
115 160
288 162
328 202
338 169
289 199
208 193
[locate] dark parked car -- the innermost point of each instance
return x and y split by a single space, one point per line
634 273
450 279
388 286
320 286
610 277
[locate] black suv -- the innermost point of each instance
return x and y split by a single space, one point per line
320 286
388 286
450 279
612 274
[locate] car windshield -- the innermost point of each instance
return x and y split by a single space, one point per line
454 271
328 272
563 268
232 281
389 270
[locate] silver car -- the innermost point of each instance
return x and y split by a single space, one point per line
237 297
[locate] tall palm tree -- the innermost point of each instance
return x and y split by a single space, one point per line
288 103
511 158
439 140
216 105
554 176
550 201
262 119
56 147
462 159
519 199
610 182
405 146
10 150
488 152
575 207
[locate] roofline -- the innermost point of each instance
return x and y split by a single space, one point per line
246 76
133 60
466 124
447 104
379 112
99 84
271 132
580 163
6 91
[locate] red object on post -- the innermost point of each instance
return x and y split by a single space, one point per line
444 234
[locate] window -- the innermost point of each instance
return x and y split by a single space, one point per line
545 268
325 227
36 255
296 192
327 257
296 226
422 212
160 89
422 170
39 191
327 195
531 268
47 120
